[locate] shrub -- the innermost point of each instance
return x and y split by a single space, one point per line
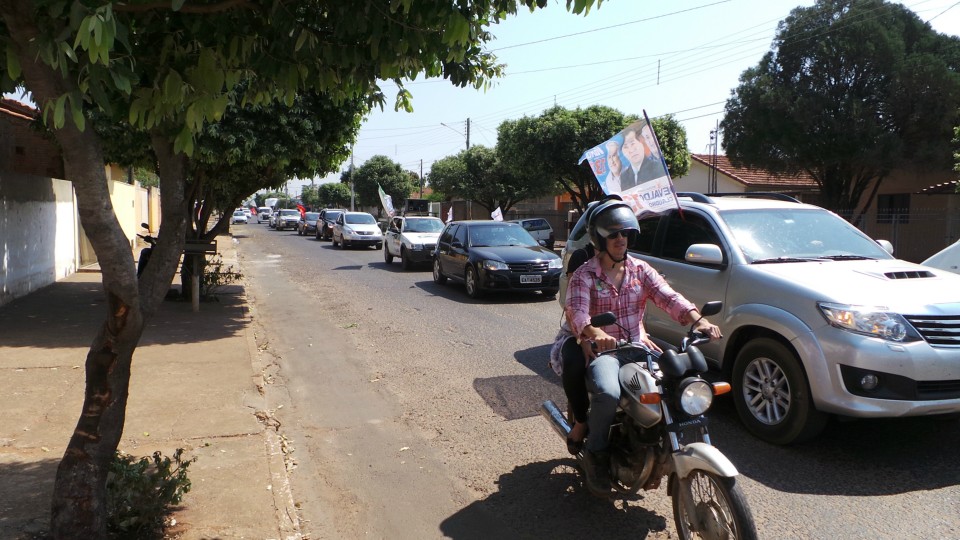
216 276
142 492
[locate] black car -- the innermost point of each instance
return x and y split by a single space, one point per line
308 223
325 221
495 255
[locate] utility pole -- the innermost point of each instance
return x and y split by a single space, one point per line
421 178
468 133
352 193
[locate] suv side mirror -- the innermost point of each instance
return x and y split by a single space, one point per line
456 244
886 245
704 254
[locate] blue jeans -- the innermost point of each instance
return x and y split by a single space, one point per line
603 381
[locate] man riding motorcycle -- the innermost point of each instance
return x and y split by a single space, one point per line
608 281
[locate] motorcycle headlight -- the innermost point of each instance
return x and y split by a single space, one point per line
869 320
696 396
555 263
490 264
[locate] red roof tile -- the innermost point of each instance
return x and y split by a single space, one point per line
756 177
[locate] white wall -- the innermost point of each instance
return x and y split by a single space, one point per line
38 238
697 180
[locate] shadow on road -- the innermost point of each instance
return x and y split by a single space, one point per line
547 500
25 493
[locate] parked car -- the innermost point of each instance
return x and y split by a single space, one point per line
263 214
412 239
308 223
356 229
539 229
328 216
286 218
495 255
238 217
818 319
947 259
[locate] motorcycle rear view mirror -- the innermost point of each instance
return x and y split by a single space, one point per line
145 226
711 308
603 319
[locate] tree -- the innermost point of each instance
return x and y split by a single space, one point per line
850 90
380 171
478 175
334 195
549 146
170 69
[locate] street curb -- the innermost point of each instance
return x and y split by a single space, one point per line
288 521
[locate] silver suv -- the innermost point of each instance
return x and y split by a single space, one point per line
818 318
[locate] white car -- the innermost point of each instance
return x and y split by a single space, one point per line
412 239
946 259
287 219
238 217
357 228
263 214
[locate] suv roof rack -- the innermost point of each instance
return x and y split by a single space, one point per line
706 197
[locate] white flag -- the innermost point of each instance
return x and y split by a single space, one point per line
450 214
387 201
497 215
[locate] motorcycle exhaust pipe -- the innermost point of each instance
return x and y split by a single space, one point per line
559 424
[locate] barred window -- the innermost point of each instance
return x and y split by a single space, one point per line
893 208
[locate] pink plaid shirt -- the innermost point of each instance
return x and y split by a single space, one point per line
590 293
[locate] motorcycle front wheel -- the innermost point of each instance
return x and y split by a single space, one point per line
720 509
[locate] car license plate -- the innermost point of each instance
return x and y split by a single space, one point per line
531 279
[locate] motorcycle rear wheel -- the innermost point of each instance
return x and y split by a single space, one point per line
721 508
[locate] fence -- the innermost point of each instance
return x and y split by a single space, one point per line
916 233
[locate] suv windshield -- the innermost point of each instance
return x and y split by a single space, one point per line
360 219
500 235
423 225
289 212
312 216
771 235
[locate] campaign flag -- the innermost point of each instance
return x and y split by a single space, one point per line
253 210
303 211
497 215
386 200
631 164
450 214
271 202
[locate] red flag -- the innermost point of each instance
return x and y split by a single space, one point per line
303 211
253 210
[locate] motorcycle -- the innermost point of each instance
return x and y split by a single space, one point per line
147 251
660 431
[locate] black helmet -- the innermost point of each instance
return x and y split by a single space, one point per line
609 216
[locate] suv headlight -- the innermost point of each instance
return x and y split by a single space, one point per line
696 396
490 264
555 263
870 321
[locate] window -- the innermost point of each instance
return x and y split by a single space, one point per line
461 235
686 231
893 208
643 242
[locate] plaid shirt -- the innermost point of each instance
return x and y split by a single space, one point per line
590 292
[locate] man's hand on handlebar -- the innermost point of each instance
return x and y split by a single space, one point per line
594 341
707 328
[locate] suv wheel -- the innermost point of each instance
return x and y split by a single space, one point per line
473 283
438 276
405 259
387 257
772 395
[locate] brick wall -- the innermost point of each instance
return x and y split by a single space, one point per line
24 149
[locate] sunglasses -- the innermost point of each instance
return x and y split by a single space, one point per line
625 233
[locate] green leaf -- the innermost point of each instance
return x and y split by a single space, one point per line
58 112
13 63
78 118
172 86
177 4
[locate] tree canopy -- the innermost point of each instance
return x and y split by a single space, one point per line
548 147
389 175
477 174
851 90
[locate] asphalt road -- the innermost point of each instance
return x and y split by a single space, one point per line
412 413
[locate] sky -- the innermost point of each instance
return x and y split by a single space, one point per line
682 57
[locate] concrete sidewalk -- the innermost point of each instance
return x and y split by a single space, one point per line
196 385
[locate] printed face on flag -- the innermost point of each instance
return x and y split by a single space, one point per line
630 164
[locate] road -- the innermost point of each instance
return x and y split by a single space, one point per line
412 413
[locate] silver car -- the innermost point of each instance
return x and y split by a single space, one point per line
818 319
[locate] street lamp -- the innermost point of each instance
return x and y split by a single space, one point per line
458 131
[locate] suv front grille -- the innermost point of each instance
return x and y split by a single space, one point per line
938 330
529 267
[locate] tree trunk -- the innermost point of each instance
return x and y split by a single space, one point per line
78 508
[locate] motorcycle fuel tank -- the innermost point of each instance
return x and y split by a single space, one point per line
635 381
